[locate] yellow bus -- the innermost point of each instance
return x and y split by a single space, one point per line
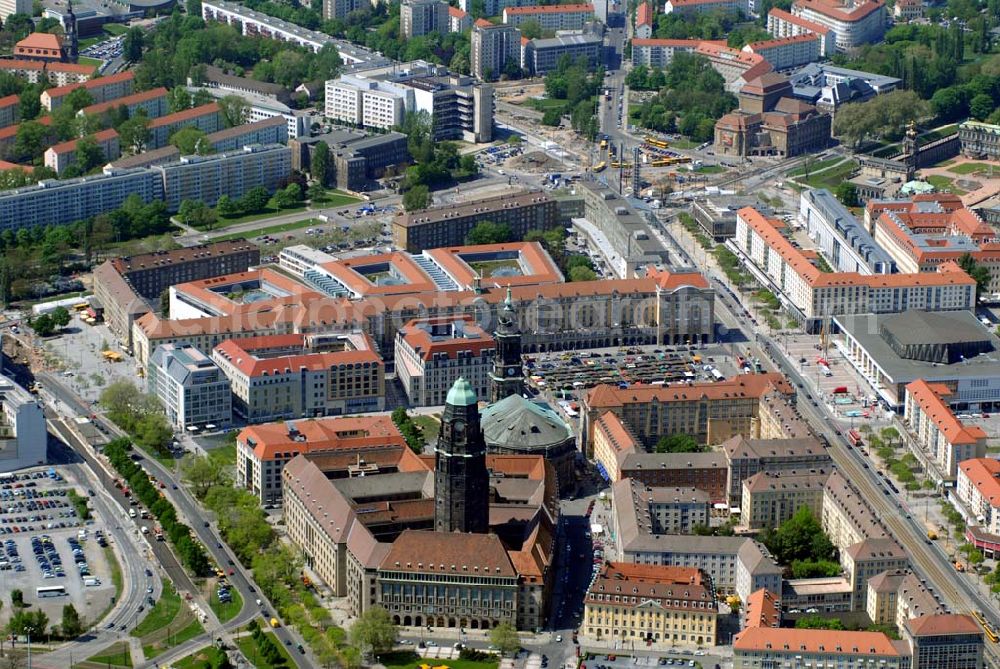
616 164
658 143
604 145
599 167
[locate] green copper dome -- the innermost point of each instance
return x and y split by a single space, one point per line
461 394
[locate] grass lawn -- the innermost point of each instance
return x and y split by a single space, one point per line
815 166
270 211
172 638
410 660
198 659
116 655
709 169
334 198
543 104
165 610
226 612
272 230
683 143
249 649
937 134
83 60
430 426
226 454
832 177
487 267
970 168
116 579
115 28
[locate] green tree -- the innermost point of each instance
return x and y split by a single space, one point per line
134 134
799 538
43 325
191 141
71 625
26 622
227 207
416 198
487 232
28 104
17 597
818 623
30 141
234 109
847 193
60 317
320 163
981 106
506 639
678 443
202 473
374 630
980 273
880 117
290 196
134 41
255 200
78 98
178 100
88 154
582 274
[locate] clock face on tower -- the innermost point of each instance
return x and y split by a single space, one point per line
459 426
511 371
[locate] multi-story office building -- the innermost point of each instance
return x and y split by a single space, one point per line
691 7
262 451
10 7
448 225
866 560
431 354
781 23
206 118
845 242
658 606
771 498
23 439
153 102
658 53
764 647
152 273
540 56
207 178
294 376
261 107
458 20
359 159
978 487
191 388
493 46
854 23
945 439
272 130
62 155
10 113
812 294
784 53
58 74
420 17
122 305
784 453
954 641
551 17
339 9
54 202
662 510
102 89
618 225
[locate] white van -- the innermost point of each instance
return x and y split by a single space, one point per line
131 513
91 582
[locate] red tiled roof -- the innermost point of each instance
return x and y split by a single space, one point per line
814 641
91 84
457 13
943 624
483 23
743 385
644 14
550 9
186 115
6 165
135 98
675 43
763 609
321 434
984 474
237 352
70 146
10 101
449 552
840 11
781 41
536 265
40 41
811 26
934 407
473 338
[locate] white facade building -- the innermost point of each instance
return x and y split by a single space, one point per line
659 52
551 17
192 388
854 24
23 439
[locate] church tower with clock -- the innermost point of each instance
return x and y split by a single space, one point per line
506 377
461 480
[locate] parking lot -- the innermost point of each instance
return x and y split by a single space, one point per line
48 553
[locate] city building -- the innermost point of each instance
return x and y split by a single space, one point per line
945 640
896 596
781 23
62 155
23 438
101 89
58 74
152 102
458 20
542 55
828 86
339 9
811 294
643 24
786 453
854 22
866 560
711 412
825 594
758 647
662 510
551 17
432 353
516 425
944 439
255 24
907 10
658 53
262 107
206 118
771 498
419 17
784 53
738 68
948 348
690 7
448 225
662 607
9 7
41 46
978 488
214 77
191 388
762 609
356 444
272 130
979 140
847 518
493 47
10 111
207 178
845 242
299 376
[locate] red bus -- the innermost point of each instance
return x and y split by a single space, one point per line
840 390
854 437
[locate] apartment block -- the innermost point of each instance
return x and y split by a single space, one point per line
23 439
420 17
207 178
897 596
978 487
661 509
101 89
458 20
10 112
191 388
846 517
945 439
431 354
675 607
365 103
9 7
206 118
945 640
784 53
643 23
551 17
57 74
493 46
866 560
781 23
253 24
62 155
854 23
762 647
152 273
541 56
846 243
771 498
272 130
658 53
448 225
153 102
339 9
692 7
295 376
